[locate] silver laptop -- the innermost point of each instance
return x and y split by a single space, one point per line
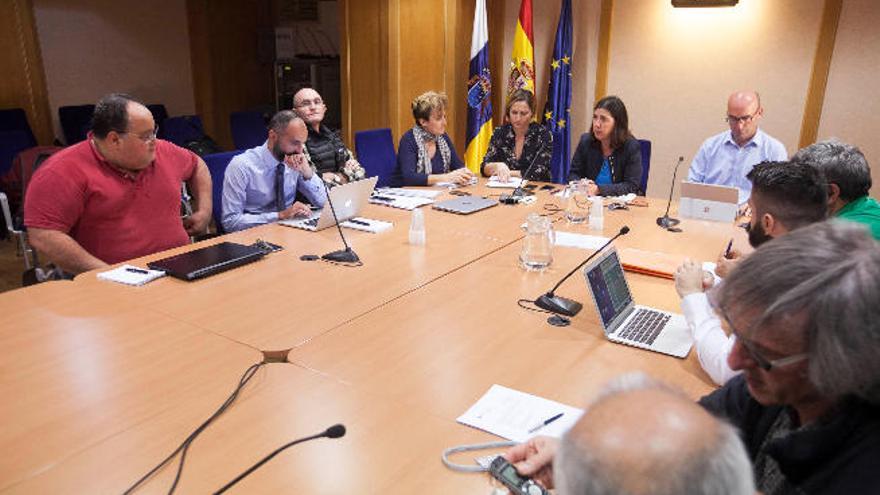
348 199
465 205
708 201
625 322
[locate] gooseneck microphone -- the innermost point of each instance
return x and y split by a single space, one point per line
514 197
666 221
346 255
334 431
568 307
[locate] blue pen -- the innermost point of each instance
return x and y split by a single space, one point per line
545 423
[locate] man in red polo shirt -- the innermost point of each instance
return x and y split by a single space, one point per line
116 195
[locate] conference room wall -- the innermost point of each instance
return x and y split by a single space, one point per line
851 106
675 67
93 47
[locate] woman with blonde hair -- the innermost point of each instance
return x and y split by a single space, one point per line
426 156
520 145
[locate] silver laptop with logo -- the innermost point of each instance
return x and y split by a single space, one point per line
348 199
465 205
625 322
708 202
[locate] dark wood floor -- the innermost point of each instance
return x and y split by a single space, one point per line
11 266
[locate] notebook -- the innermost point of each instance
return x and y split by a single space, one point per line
348 200
207 261
626 323
465 205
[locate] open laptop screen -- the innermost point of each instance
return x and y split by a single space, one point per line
609 287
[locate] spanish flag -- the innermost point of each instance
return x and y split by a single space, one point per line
522 59
479 93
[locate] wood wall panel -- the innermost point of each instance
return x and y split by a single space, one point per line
228 75
23 83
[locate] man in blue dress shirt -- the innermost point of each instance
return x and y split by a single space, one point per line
726 158
260 184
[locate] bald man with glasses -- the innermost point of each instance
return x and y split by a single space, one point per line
726 158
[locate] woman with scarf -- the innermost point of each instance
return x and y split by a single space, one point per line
426 156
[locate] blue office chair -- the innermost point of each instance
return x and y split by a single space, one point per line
11 144
217 164
646 165
375 151
159 115
15 119
248 129
76 121
183 129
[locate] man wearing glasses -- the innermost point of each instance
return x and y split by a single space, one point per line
726 158
116 195
261 184
805 311
785 196
324 147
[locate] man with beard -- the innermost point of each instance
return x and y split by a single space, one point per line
260 185
785 196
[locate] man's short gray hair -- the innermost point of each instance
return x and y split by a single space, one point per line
830 273
281 120
842 164
720 467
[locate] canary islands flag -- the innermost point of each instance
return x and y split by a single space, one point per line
556 112
479 93
522 60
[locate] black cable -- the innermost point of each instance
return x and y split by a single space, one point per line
535 309
264 460
184 446
347 265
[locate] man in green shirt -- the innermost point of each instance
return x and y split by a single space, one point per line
849 180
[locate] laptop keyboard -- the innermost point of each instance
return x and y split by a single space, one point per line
645 326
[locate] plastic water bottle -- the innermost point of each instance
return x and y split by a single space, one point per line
597 213
417 228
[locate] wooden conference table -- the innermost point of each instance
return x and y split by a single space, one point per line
101 381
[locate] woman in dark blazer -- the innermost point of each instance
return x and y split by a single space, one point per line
609 155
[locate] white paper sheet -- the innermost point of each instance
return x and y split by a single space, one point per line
511 414
582 241
403 202
409 193
513 183
131 275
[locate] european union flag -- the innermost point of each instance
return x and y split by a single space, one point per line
557 109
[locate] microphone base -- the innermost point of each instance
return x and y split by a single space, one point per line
667 221
342 256
558 305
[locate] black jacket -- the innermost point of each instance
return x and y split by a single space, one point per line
626 165
839 454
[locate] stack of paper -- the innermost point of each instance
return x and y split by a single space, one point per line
518 416
131 275
367 224
403 202
411 193
513 183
